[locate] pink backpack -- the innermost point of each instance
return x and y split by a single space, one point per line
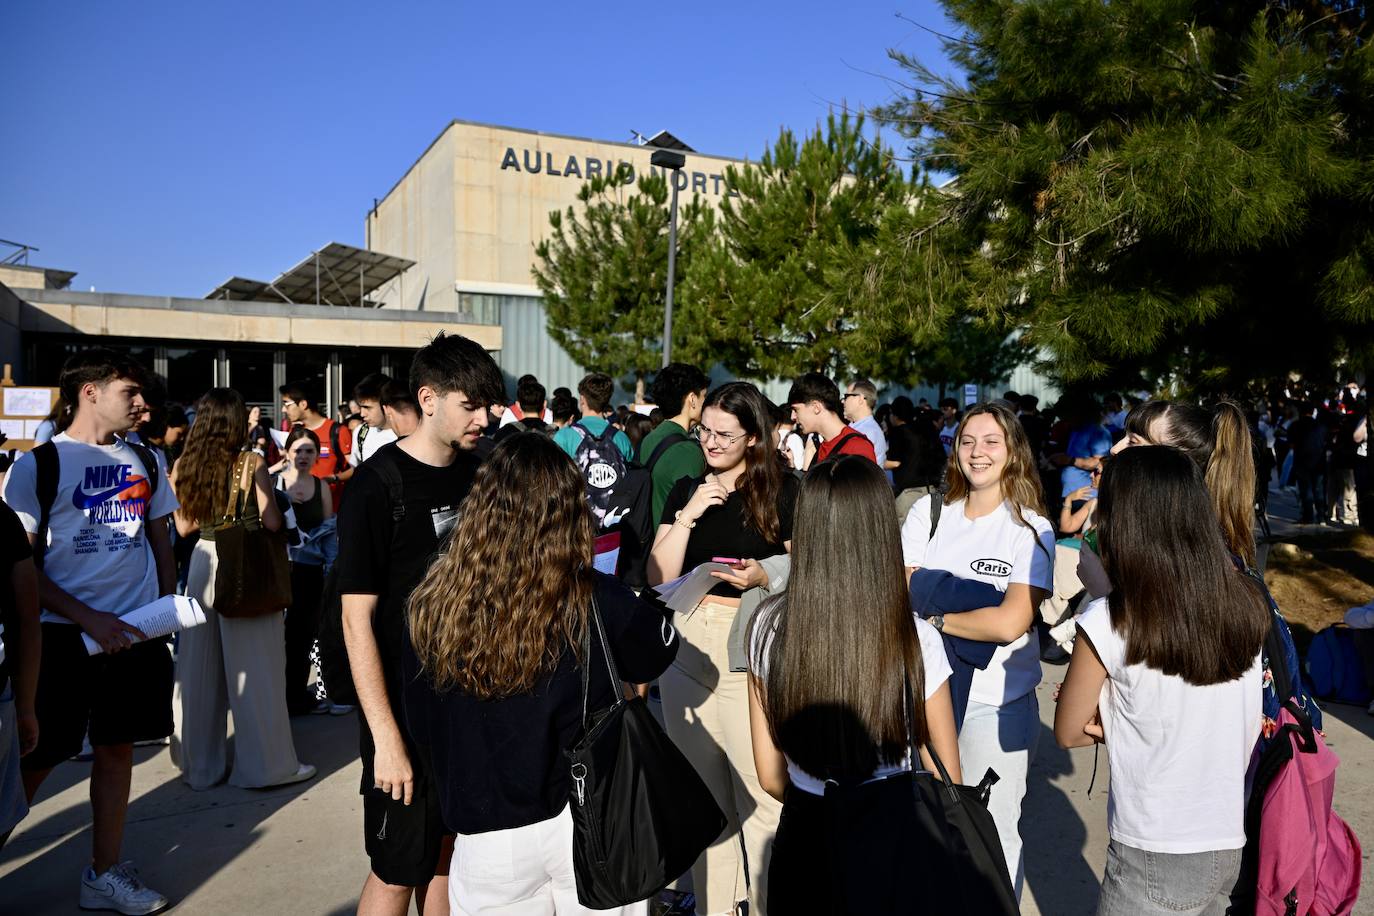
1308 858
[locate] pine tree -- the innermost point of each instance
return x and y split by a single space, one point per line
603 271
1182 186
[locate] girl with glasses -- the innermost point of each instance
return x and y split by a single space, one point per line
741 508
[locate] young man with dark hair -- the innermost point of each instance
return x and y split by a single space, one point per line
815 403
564 410
517 411
949 423
679 391
95 508
859 401
402 503
529 396
594 401
915 447
400 408
336 442
376 430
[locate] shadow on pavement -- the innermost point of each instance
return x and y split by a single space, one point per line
1053 832
178 837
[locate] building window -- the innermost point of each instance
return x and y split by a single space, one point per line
484 308
190 373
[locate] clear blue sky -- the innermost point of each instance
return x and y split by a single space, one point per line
159 148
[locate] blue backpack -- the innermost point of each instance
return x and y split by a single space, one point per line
1334 667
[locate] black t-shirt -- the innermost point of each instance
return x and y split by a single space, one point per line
722 531
527 425
500 763
14 549
921 455
375 560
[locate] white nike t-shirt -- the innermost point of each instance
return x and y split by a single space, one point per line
997 550
97 549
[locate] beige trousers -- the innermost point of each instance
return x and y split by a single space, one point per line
706 713
225 665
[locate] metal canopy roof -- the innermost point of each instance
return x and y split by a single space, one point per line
336 274
665 140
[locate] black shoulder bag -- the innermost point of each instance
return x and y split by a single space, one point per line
912 844
641 814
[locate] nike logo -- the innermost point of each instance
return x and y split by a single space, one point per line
83 500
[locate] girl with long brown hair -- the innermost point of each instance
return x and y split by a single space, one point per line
1178 640
228 664
493 674
740 509
991 529
828 692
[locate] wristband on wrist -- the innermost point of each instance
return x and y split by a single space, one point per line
679 520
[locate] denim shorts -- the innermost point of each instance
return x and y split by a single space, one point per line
1140 883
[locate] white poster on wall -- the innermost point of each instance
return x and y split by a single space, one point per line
27 402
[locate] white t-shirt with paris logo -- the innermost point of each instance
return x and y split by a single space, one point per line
998 550
97 548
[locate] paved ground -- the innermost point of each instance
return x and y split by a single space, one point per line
298 850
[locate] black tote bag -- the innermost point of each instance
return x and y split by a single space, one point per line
641 814
939 851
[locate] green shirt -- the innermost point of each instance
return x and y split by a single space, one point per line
683 459
568 438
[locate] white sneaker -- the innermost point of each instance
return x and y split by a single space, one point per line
119 889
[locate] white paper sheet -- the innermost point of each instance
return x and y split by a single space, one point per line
27 402
167 614
31 428
13 429
685 592
279 437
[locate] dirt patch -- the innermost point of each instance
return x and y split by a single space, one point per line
1316 577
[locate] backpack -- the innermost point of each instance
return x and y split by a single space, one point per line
335 671
1335 670
603 468
621 497
48 473
1300 857
340 462
1282 670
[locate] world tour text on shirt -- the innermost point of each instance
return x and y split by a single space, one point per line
112 493
588 167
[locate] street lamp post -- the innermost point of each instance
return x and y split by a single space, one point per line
673 161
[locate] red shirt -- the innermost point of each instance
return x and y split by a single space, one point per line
327 464
856 444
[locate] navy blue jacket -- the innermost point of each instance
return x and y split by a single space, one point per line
938 591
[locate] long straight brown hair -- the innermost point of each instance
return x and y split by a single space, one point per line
213 443
1176 596
761 483
1218 441
513 588
841 638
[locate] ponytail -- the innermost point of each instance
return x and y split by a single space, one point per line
1230 477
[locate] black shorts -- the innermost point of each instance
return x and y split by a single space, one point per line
404 842
116 698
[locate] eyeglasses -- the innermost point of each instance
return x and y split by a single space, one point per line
704 436
850 394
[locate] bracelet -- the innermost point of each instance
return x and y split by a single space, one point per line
677 520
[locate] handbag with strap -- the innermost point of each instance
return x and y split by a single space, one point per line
939 851
641 814
253 577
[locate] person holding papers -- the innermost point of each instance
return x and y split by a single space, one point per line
238 663
739 511
95 507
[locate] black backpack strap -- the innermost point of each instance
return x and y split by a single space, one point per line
151 469
666 443
937 505
47 473
391 479
843 439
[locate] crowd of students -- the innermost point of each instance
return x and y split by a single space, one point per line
884 572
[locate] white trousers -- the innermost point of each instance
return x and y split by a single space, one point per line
523 871
1004 739
230 664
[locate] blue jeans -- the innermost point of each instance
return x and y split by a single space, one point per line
1140 883
1002 738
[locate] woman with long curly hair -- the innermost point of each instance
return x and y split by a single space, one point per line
741 509
992 529
499 630
228 664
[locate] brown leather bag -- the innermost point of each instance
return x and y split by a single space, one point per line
254 574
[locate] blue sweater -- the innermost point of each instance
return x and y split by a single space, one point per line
938 591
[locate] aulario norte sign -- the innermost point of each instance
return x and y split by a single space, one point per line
535 162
